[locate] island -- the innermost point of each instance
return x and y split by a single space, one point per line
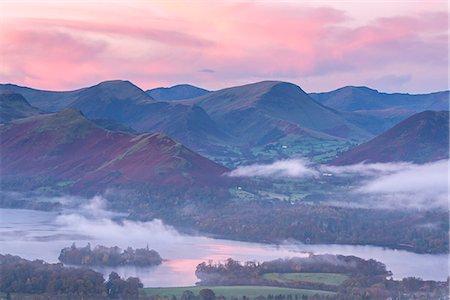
109 256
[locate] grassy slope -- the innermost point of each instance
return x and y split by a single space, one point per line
325 278
234 291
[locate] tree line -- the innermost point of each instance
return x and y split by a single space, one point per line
55 281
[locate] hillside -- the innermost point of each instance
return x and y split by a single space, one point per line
377 111
245 123
14 106
352 98
112 103
267 111
177 92
109 96
422 138
66 149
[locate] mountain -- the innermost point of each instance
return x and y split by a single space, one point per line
106 97
267 111
177 92
377 111
231 125
421 138
112 125
123 103
66 149
352 98
14 106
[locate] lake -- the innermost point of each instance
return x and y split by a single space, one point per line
41 235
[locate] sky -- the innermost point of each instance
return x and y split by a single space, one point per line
392 46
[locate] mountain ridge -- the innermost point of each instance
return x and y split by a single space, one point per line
14 106
422 138
81 154
176 92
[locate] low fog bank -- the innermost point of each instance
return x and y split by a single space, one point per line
297 168
377 185
94 218
42 235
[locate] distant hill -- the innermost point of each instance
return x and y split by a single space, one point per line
177 92
267 111
352 98
66 149
14 106
423 137
109 96
120 105
377 111
230 125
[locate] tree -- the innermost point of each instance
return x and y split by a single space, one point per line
207 294
188 295
114 286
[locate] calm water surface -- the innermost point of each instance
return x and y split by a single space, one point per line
41 235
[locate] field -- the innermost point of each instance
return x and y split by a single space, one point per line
325 278
234 291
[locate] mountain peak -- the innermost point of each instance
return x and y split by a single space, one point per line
14 106
68 118
122 89
250 95
421 138
70 112
13 97
115 82
65 146
357 88
176 92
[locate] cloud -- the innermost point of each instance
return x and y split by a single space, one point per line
363 169
397 185
66 46
207 71
419 186
283 168
49 58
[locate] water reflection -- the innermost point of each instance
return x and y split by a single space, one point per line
33 235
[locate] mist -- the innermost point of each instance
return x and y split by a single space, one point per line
417 186
396 185
297 168
364 169
42 235
399 185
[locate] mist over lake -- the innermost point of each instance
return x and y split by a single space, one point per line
41 235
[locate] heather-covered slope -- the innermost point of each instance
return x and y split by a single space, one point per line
177 92
66 149
422 138
122 102
14 106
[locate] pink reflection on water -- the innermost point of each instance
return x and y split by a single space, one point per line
182 265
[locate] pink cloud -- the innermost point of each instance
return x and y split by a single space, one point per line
316 47
48 58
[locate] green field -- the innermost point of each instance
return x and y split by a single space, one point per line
234 291
325 278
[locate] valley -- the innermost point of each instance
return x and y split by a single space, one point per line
247 173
